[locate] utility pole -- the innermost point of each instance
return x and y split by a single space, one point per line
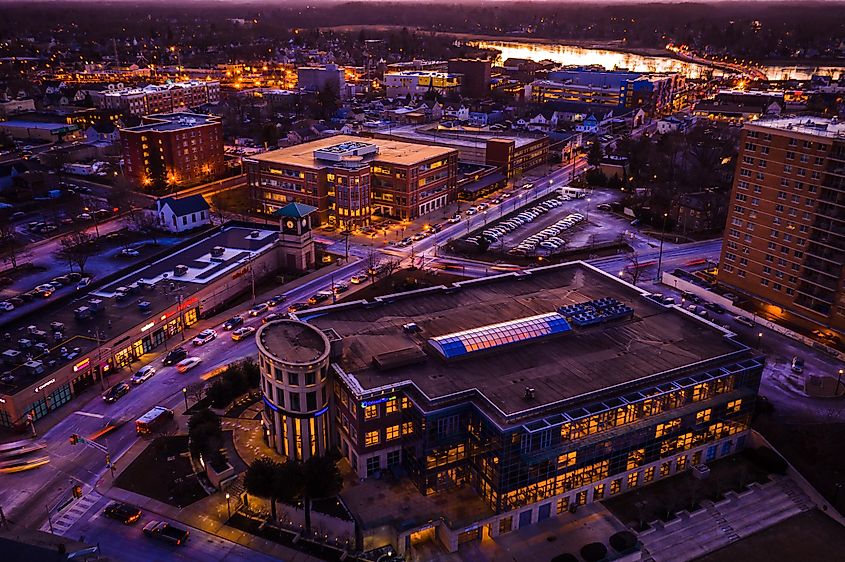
660 255
76 438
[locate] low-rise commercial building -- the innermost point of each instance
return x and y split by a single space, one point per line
420 82
540 391
475 76
348 178
320 78
41 131
81 340
173 149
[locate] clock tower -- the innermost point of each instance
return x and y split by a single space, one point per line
295 239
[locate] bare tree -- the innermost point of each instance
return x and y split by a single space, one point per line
75 248
373 260
10 252
228 206
196 391
634 269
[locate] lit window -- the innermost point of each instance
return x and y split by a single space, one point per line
371 412
408 428
406 403
391 406
371 438
703 415
393 432
633 479
734 406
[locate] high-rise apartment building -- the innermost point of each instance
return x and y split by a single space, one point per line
784 244
173 149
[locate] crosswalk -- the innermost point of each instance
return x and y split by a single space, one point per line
65 519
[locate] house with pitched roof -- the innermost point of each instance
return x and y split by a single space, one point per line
184 213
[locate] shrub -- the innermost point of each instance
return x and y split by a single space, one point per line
593 552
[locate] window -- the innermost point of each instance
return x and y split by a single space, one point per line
562 505
681 463
310 401
406 403
294 401
392 432
391 406
371 438
665 428
310 379
703 415
293 379
633 479
407 428
371 412
665 468
505 525
394 458
373 465
615 486
733 406
648 474
598 492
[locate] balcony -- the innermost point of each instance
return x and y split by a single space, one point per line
823 267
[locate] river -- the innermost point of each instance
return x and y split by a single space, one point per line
570 55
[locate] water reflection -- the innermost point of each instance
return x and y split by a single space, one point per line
566 55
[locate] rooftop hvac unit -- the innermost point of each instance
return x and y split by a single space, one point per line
254 234
180 270
217 251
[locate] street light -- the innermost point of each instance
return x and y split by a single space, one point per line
185 396
660 255
228 506
759 340
838 379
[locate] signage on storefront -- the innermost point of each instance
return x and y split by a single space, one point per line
147 326
45 385
366 403
82 365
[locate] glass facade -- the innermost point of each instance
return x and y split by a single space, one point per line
586 445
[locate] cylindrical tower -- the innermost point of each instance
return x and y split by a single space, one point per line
294 360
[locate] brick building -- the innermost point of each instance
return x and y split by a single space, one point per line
172 150
784 243
164 98
349 178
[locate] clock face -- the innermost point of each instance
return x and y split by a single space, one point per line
290 225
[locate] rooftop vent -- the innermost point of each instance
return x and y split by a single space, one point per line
529 393
180 270
254 234
217 251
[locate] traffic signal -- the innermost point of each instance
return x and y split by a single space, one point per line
74 439
77 491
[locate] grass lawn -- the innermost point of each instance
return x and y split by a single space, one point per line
663 498
404 280
162 473
811 535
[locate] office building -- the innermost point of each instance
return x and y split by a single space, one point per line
319 78
475 76
172 150
349 178
654 93
79 340
538 391
784 243
165 98
420 82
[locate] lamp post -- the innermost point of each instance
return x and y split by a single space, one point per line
838 380
660 255
228 506
185 396
760 340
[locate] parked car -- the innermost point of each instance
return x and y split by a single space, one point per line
166 532
84 282
714 307
143 374
358 279
454 219
744 321
204 337
116 392
186 365
340 288
130 252
126 513
242 333
175 355
233 323
260 308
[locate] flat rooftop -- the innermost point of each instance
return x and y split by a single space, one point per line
390 152
293 342
559 364
154 284
174 122
815 126
458 136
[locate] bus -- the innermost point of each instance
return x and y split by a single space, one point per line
153 420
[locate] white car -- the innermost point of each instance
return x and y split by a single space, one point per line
358 279
6 306
242 333
204 337
455 219
187 364
143 374
744 321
